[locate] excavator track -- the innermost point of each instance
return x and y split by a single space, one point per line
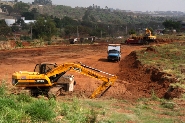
54 92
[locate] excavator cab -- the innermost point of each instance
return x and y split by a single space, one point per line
43 68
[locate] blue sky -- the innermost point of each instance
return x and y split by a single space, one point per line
134 5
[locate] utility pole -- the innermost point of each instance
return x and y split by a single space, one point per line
126 30
77 32
31 32
101 33
108 31
15 36
57 33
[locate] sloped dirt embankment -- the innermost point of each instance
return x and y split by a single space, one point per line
143 81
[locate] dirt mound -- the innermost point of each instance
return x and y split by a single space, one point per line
143 82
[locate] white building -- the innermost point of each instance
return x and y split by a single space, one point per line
10 22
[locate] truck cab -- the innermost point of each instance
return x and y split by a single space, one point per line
114 52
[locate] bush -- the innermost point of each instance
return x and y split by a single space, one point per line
75 113
41 110
19 44
25 38
9 115
3 88
7 102
3 38
169 105
24 98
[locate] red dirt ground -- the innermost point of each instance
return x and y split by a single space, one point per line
134 80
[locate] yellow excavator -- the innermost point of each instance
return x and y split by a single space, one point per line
50 79
148 35
145 39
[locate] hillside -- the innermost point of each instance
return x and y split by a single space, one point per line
96 15
100 15
5 16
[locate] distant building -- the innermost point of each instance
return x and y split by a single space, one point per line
159 31
29 21
183 25
10 22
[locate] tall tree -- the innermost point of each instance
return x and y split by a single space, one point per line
69 21
7 8
44 28
28 15
4 29
58 22
21 7
170 24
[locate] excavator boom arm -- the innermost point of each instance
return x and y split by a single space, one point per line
88 71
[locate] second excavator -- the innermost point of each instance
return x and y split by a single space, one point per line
50 79
145 39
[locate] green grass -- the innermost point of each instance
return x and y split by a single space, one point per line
41 110
169 58
179 37
74 112
23 108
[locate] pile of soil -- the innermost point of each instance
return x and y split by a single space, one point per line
144 81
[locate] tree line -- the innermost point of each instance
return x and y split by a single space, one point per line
93 22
